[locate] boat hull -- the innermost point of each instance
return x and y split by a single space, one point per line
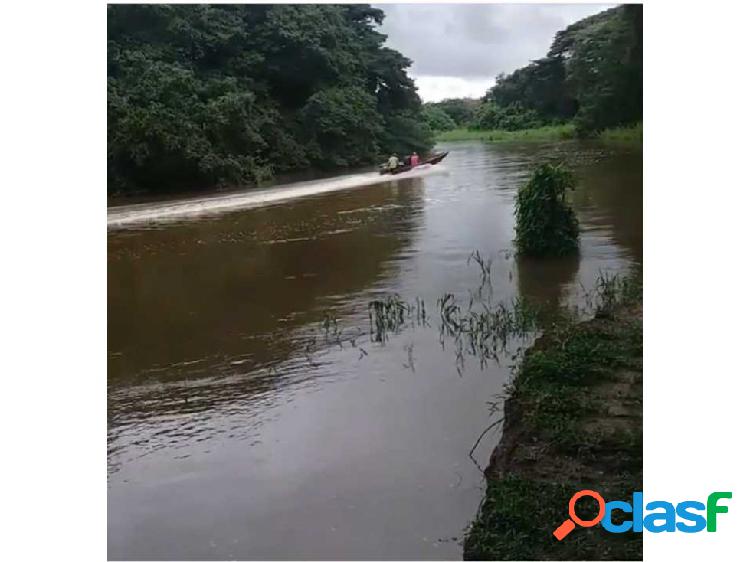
405 167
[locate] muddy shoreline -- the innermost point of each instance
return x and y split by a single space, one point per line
573 420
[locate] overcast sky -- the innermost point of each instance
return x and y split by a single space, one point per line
458 49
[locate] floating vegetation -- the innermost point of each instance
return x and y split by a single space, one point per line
389 315
484 333
485 265
386 316
482 330
330 325
476 326
410 362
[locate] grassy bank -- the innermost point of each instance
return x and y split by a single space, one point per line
627 135
548 133
573 421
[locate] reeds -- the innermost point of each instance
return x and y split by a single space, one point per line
389 315
484 333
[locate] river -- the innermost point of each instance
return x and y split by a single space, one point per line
251 414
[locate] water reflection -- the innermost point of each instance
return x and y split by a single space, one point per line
545 282
613 202
237 431
221 297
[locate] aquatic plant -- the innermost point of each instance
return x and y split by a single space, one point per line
386 316
546 224
612 291
484 333
484 264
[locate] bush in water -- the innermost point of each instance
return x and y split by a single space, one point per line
545 223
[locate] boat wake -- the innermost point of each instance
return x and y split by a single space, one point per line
128 216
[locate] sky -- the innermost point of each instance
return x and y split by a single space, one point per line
458 49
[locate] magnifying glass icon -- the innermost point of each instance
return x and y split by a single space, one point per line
569 524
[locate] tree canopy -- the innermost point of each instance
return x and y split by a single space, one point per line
202 95
461 110
592 73
437 118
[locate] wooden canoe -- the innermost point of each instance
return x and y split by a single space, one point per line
432 160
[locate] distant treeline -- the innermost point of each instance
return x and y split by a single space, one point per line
592 75
203 95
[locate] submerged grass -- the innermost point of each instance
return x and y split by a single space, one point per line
573 421
390 314
483 333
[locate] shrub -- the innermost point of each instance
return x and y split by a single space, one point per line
545 223
345 124
512 117
460 110
437 119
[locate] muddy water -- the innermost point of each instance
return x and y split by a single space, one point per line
240 428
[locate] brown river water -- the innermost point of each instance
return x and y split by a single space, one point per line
240 428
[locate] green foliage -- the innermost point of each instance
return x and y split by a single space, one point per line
540 134
592 73
545 223
631 134
204 95
437 119
345 125
406 132
512 117
560 435
540 86
605 70
461 110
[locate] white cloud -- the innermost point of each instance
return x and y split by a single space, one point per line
436 88
460 47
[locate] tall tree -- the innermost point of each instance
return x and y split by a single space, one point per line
200 95
593 73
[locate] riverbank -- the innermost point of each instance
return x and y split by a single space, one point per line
632 134
573 421
625 135
542 134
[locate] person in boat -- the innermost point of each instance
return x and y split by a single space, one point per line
414 159
392 162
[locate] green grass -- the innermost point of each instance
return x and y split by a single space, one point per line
541 134
519 515
561 435
632 134
553 380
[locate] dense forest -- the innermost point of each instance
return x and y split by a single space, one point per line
451 113
206 95
592 75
